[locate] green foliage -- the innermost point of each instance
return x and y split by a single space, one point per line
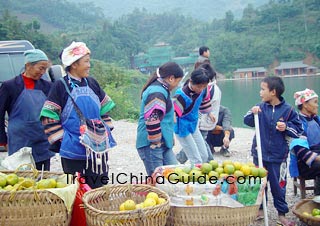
278 31
123 86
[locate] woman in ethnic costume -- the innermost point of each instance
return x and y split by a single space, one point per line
155 126
22 98
62 122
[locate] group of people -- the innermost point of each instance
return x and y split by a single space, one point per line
193 115
191 118
45 116
51 117
48 117
282 131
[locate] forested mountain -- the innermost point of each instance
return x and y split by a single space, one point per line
281 30
203 10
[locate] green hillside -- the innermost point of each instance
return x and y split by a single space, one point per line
278 31
283 30
203 10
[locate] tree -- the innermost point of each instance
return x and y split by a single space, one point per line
228 21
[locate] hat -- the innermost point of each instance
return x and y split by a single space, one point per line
34 55
303 96
74 52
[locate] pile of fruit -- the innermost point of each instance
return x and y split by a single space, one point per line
213 171
202 183
314 213
152 199
12 182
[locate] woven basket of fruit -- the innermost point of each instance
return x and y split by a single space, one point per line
25 200
227 193
212 215
307 211
136 204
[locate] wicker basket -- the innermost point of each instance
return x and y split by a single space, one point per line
30 208
212 216
306 205
102 206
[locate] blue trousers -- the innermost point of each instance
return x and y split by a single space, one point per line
277 177
194 147
153 158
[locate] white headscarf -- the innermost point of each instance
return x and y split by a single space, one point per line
303 96
74 52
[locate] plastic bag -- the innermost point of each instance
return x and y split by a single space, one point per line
22 156
78 217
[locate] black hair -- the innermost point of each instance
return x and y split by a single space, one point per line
209 70
275 83
203 49
199 76
165 70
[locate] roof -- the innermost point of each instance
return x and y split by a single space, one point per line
293 64
15 46
256 69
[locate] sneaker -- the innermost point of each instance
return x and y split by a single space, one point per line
181 157
225 152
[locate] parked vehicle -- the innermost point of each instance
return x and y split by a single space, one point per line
12 60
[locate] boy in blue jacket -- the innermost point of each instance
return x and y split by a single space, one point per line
277 120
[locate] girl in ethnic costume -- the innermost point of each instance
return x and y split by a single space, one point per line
22 98
155 126
188 101
62 122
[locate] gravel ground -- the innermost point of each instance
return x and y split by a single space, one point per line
124 159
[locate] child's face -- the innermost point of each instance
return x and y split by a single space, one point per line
173 82
197 88
265 94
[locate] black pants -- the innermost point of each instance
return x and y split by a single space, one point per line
216 140
45 163
94 180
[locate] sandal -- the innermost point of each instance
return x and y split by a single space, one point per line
260 215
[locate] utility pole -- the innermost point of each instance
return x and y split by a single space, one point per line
279 26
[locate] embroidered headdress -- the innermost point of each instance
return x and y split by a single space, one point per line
74 52
303 96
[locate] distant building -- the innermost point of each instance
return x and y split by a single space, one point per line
250 72
294 68
158 55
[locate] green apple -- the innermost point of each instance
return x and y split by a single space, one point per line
12 179
3 181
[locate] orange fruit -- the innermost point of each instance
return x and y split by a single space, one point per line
130 204
153 195
237 165
262 172
246 170
229 169
254 171
206 167
214 164
219 170
227 162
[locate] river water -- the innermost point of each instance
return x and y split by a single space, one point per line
240 95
